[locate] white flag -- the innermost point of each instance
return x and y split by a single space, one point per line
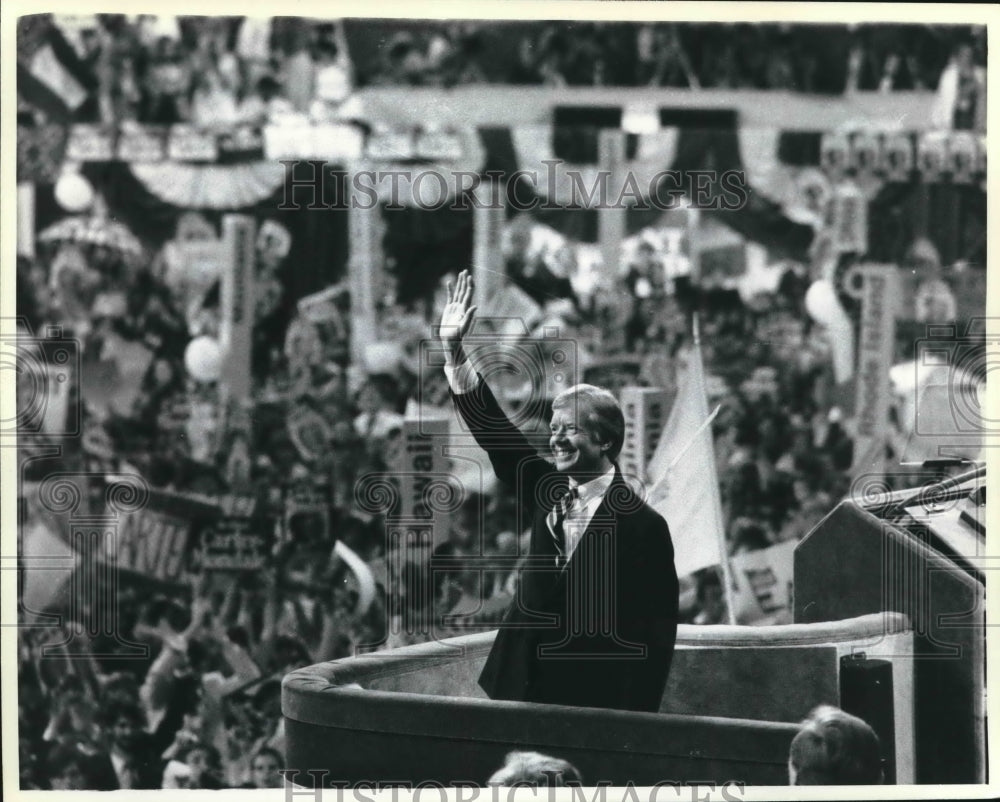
685 487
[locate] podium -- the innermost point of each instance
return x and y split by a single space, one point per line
917 552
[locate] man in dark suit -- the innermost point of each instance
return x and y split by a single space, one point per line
133 759
595 617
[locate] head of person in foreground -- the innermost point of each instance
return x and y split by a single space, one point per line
536 770
834 748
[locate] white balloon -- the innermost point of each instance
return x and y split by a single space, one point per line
74 192
203 358
821 301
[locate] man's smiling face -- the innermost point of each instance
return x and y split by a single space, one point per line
575 447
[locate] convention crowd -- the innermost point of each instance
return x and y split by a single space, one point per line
804 58
184 692
216 72
206 699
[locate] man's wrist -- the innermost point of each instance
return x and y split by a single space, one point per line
454 355
462 377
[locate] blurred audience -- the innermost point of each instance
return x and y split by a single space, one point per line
164 70
212 72
817 58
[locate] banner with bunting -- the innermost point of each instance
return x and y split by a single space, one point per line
788 178
895 155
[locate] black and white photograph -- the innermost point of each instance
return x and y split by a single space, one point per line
496 401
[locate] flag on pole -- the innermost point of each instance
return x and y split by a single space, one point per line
684 484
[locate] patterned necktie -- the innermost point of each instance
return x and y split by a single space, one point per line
562 508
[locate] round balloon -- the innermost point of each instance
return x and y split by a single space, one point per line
73 192
203 358
821 301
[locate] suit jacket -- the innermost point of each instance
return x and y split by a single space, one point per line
600 631
146 753
146 763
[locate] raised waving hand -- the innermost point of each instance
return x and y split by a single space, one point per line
456 317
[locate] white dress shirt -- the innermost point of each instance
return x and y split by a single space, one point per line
580 513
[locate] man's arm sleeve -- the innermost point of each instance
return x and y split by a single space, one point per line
515 461
462 378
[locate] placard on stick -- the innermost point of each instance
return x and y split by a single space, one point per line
646 410
156 539
423 470
238 307
880 296
234 544
307 514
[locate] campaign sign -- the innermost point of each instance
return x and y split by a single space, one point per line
645 411
186 143
881 294
242 144
236 329
307 514
309 432
332 142
156 539
90 143
849 218
764 583
147 143
234 544
421 468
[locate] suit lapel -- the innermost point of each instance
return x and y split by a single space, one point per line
603 518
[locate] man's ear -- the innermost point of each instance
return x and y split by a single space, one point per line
605 445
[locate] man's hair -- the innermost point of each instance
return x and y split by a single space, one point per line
116 709
605 418
835 748
212 756
162 607
536 769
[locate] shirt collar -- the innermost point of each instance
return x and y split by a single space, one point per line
595 487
